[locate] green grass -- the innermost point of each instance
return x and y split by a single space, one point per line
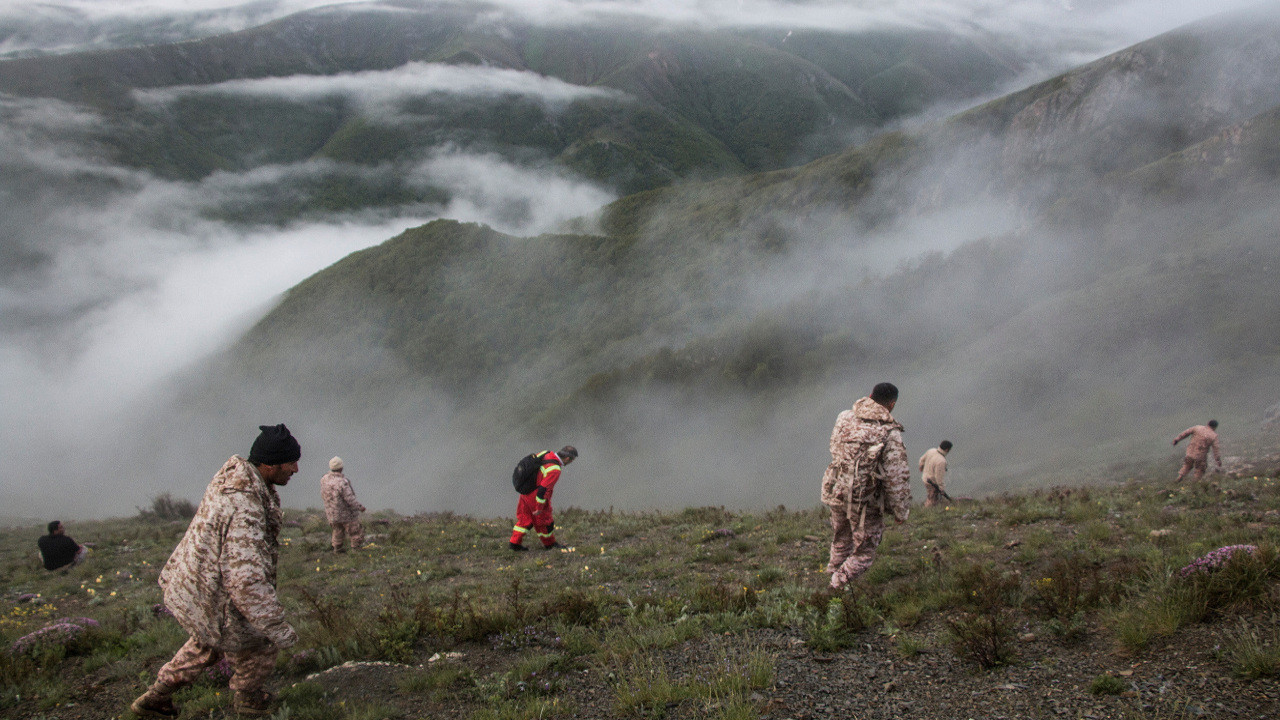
664 631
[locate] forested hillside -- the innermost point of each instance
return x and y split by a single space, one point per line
673 102
1099 298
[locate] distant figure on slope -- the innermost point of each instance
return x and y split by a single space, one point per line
58 550
220 582
1203 439
933 470
341 508
535 478
868 475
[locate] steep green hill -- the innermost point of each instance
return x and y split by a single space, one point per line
750 310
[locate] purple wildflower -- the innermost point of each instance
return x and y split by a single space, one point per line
1215 560
56 635
83 622
220 672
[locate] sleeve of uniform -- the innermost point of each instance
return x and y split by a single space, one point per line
897 477
922 457
549 474
840 433
1217 452
1182 435
349 495
245 574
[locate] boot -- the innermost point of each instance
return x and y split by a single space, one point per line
156 702
253 703
517 547
552 546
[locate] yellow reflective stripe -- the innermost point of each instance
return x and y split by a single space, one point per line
542 501
520 529
550 534
548 468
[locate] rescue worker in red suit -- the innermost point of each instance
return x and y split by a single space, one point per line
534 510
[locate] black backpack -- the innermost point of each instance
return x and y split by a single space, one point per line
525 476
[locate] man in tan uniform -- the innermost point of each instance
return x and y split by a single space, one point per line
868 475
220 582
1203 439
933 470
341 508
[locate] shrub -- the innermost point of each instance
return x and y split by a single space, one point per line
831 622
986 639
167 507
1106 684
721 597
64 636
1251 655
574 606
982 629
1069 586
1215 560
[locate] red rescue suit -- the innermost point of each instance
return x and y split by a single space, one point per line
534 509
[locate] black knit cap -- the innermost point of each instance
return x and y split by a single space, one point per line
274 446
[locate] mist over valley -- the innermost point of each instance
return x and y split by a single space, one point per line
432 237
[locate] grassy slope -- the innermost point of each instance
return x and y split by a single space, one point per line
710 612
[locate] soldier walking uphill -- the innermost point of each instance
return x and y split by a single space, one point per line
220 582
534 509
868 476
1203 439
341 508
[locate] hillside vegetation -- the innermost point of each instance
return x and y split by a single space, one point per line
1069 601
1086 291
689 103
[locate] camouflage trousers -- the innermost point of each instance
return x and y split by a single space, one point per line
250 669
1190 463
342 531
856 537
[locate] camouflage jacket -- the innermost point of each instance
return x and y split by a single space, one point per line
220 582
1203 439
868 461
340 504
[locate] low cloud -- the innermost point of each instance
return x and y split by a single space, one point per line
376 90
117 281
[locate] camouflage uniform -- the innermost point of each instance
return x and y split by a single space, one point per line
933 466
342 509
1203 439
220 584
868 475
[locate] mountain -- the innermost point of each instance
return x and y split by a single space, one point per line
1100 277
685 103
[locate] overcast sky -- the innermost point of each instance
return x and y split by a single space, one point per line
63 25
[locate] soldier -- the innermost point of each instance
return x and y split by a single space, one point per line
534 508
341 508
220 582
868 475
933 470
1203 439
